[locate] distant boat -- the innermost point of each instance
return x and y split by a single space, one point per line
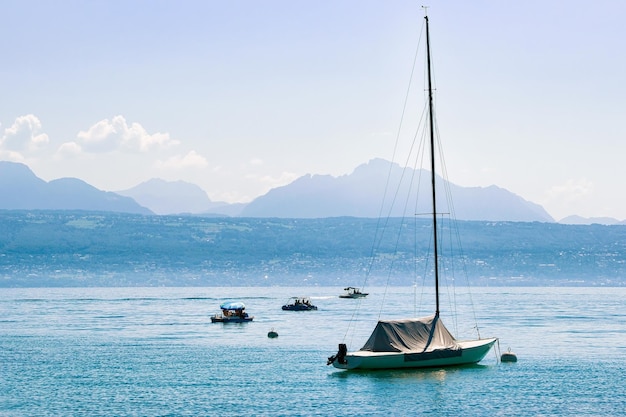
232 312
353 292
299 304
415 342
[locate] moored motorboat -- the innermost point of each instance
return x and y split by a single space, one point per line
299 304
353 292
232 312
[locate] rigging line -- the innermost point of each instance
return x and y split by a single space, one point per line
454 227
418 167
467 282
376 241
401 124
444 175
379 237
427 259
405 209
450 266
420 153
450 204
419 162
449 276
407 95
449 200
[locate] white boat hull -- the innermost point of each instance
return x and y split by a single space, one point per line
472 351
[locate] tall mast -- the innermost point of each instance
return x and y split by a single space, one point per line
432 169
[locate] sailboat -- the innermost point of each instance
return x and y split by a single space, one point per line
415 342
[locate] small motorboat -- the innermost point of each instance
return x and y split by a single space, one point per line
353 292
299 304
232 312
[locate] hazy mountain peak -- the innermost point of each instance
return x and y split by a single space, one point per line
21 189
589 220
169 197
360 194
17 174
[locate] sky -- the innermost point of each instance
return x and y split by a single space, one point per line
242 96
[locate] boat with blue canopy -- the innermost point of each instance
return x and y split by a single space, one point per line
232 312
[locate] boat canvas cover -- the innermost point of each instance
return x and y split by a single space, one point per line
233 305
410 335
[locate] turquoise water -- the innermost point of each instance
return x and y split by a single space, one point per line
154 352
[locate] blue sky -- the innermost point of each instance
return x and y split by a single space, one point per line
239 97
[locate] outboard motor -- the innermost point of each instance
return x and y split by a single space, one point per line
340 356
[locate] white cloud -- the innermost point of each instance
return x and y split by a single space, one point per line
571 197
274 181
11 156
572 190
191 160
69 149
251 187
24 135
115 134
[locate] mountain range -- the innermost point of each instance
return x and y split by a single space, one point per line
21 189
358 194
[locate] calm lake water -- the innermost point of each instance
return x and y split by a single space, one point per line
154 352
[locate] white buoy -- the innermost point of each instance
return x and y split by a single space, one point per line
508 356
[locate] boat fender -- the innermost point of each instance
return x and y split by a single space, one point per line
340 356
